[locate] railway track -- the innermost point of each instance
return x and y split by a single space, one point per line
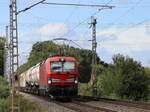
76 106
81 107
140 105
81 104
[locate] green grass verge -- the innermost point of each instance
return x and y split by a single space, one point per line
25 105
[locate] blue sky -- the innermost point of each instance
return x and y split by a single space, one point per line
124 29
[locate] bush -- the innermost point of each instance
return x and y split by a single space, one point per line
125 78
147 71
25 105
85 89
4 105
108 83
4 88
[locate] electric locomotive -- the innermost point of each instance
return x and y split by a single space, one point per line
56 76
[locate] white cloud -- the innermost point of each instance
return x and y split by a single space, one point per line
52 30
123 40
43 33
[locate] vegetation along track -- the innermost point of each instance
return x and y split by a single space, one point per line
140 105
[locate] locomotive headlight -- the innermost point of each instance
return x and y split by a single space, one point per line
49 81
62 59
76 81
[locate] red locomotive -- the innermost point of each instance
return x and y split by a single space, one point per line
56 76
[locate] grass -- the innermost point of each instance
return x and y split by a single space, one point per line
25 105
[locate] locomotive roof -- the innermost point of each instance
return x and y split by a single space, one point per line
57 58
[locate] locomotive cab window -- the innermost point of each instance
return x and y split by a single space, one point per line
56 67
62 66
68 66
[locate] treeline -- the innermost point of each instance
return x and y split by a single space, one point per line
124 78
4 88
43 50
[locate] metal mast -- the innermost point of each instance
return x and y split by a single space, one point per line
94 46
13 46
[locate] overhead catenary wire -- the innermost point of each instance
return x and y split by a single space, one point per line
23 10
85 20
125 13
82 5
135 25
79 5
106 6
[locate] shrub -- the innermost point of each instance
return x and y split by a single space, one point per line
4 105
4 88
125 78
85 89
25 105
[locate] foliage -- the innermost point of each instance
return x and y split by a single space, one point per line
25 105
4 93
125 78
108 82
85 89
2 45
4 105
147 71
42 50
4 88
5 100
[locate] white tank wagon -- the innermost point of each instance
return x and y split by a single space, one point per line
30 78
34 75
22 79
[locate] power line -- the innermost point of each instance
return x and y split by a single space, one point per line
109 2
71 13
71 30
127 12
23 10
137 24
79 5
65 39
102 7
80 23
82 5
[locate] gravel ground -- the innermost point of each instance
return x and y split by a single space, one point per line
50 106
115 107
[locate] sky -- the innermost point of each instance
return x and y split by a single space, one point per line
124 29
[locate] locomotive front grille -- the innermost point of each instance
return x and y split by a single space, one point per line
60 80
70 80
56 80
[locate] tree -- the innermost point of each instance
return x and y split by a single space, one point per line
42 50
108 82
134 81
125 78
2 45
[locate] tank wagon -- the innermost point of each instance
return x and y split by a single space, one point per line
56 76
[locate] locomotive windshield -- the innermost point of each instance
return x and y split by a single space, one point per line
62 66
